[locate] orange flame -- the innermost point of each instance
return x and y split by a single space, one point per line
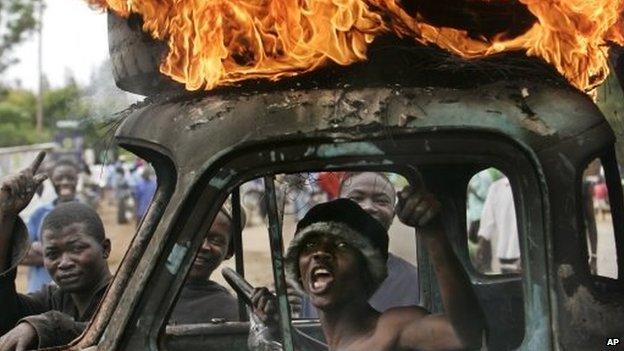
219 42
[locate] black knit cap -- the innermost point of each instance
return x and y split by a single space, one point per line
350 213
347 220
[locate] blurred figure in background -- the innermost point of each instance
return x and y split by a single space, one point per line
143 192
122 193
600 193
477 191
88 189
498 224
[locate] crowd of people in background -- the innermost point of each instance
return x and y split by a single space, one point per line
132 185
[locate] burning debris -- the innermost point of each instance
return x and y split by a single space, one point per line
220 42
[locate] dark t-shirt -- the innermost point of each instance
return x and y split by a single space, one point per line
51 311
202 301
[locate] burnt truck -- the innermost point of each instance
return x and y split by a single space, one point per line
407 110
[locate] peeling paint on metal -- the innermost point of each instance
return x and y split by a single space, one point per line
310 151
197 124
537 126
348 149
220 182
175 257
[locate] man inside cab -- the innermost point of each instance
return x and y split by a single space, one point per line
376 195
338 257
201 299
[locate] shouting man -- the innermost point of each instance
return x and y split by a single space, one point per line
338 257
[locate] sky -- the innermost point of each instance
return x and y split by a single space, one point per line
75 40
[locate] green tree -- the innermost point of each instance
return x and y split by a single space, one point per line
64 103
17 22
17 112
17 118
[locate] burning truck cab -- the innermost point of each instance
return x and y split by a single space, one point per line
407 111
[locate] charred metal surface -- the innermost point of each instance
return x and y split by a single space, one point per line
117 291
237 241
277 257
202 337
289 114
586 308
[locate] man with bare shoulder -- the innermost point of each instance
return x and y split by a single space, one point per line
338 257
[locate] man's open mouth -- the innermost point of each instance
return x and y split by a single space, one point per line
321 280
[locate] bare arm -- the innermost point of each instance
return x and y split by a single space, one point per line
462 323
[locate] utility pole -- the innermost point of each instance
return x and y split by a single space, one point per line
39 126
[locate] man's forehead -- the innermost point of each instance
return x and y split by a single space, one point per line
367 182
70 233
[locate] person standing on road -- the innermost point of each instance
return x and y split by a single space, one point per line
143 192
498 223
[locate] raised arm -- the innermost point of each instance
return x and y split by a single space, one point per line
462 324
15 193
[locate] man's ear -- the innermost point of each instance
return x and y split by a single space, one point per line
106 248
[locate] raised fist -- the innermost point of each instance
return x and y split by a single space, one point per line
17 190
417 207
